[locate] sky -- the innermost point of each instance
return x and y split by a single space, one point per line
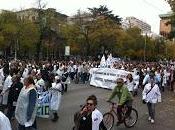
145 10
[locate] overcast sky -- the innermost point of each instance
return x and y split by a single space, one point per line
146 10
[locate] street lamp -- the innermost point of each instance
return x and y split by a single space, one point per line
145 42
145 47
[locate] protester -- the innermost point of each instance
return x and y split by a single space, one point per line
4 122
55 100
26 107
89 117
124 96
151 95
6 86
14 91
130 83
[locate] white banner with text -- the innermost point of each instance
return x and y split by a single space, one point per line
106 77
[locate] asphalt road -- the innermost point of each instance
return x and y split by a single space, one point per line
77 94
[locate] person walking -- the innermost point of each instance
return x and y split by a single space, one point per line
55 100
150 96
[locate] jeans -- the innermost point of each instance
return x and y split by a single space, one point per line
151 110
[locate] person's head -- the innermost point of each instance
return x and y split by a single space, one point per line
152 74
28 81
129 76
91 102
57 79
152 80
120 82
39 76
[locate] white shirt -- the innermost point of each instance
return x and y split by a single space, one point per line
97 117
4 122
130 85
153 96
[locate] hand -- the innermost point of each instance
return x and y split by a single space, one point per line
143 101
84 110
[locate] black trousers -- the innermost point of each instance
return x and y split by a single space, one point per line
33 127
120 112
10 111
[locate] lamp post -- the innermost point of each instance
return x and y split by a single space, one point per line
144 55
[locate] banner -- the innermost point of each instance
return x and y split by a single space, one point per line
67 50
106 77
43 105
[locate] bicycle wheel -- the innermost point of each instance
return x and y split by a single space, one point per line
131 120
108 120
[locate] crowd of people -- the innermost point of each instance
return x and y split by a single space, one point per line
22 81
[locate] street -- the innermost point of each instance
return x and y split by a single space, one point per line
77 94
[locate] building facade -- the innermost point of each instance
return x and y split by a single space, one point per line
134 22
32 14
165 25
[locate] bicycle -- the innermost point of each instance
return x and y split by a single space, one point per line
128 120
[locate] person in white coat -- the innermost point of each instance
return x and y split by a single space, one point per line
89 117
1 79
5 91
4 122
136 78
130 83
55 100
151 95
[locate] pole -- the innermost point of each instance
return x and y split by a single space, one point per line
145 48
16 49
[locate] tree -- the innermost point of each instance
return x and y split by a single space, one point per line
8 31
103 11
15 35
41 22
172 4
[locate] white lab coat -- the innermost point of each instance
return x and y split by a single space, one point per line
40 85
25 73
97 117
1 78
153 96
4 122
55 96
136 81
130 85
7 85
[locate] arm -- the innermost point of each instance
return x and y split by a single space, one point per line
113 94
32 102
102 126
144 93
158 94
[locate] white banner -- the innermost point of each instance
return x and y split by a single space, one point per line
67 50
43 105
106 77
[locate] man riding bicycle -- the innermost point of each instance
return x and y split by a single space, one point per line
125 98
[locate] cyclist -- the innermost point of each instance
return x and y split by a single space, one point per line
125 98
89 117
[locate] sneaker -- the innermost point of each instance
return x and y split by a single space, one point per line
149 118
152 121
